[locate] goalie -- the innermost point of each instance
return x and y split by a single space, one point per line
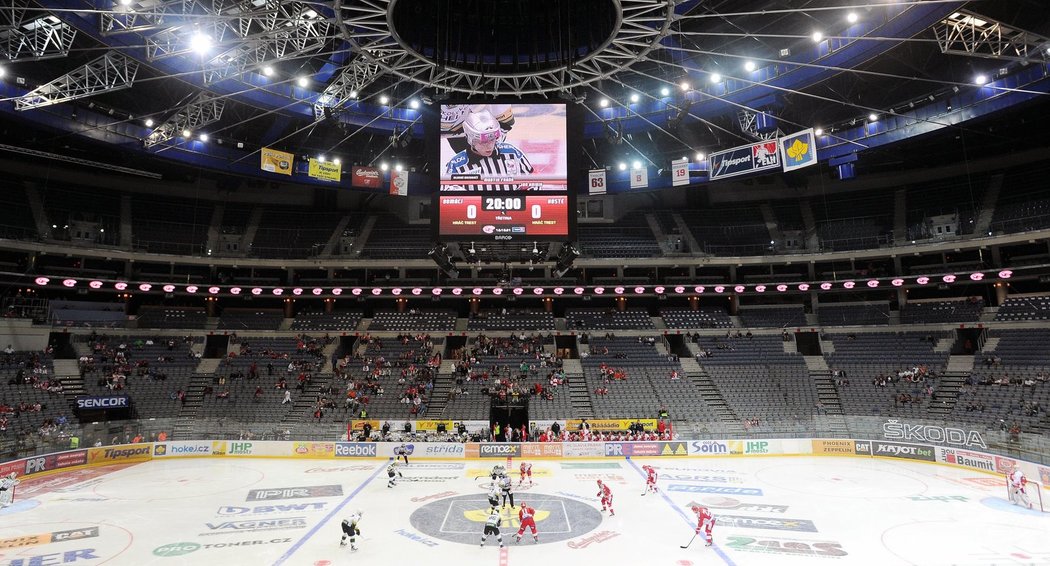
7 489
1018 484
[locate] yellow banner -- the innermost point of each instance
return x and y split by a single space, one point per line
359 424
120 453
608 425
276 161
314 450
325 170
433 425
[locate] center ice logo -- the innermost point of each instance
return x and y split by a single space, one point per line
461 518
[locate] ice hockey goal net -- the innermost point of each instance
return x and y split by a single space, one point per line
1034 491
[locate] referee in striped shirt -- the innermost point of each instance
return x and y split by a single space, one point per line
487 156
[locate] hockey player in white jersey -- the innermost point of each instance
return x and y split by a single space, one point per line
505 487
494 497
1018 488
7 489
492 525
393 473
351 530
487 156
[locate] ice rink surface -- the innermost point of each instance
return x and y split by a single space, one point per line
771 510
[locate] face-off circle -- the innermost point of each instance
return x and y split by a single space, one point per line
462 518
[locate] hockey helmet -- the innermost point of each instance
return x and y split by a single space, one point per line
481 127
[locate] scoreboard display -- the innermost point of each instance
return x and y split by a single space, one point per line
504 172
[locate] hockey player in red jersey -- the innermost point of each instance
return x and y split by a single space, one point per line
704 522
1018 488
650 479
527 518
606 496
526 470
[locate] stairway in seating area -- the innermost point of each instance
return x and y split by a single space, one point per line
579 396
696 374
946 393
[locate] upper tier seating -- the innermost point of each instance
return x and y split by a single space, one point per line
703 318
772 316
607 319
88 314
937 312
172 317
630 236
250 319
413 321
338 321
512 319
293 234
393 239
853 314
1024 308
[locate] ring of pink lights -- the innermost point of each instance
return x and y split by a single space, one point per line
619 290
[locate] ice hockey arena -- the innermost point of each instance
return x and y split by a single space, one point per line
509 282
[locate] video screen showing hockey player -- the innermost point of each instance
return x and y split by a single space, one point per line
501 147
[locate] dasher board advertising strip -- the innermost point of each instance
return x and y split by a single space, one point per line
761 156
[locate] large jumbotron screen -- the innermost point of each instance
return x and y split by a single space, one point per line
504 172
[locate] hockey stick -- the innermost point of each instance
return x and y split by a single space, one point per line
686 545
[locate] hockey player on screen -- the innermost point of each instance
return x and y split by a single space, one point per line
492 525
527 518
1018 488
487 156
704 522
607 497
650 479
7 489
525 470
393 473
350 529
453 115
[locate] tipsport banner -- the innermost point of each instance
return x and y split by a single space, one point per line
798 150
753 158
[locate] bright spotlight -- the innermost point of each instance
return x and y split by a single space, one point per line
684 86
603 102
322 158
700 156
203 137
622 166
413 104
149 122
636 165
353 94
665 91
873 117
268 71
750 66
397 167
818 36
980 80
715 78
384 166
634 97
384 100
303 82
186 133
818 132
200 43
337 161
125 3
852 17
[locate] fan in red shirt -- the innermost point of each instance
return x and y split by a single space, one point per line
527 518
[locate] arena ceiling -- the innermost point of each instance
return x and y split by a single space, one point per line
122 79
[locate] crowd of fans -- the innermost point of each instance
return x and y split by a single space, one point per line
509 368
414 362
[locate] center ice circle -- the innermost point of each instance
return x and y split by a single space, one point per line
462 518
